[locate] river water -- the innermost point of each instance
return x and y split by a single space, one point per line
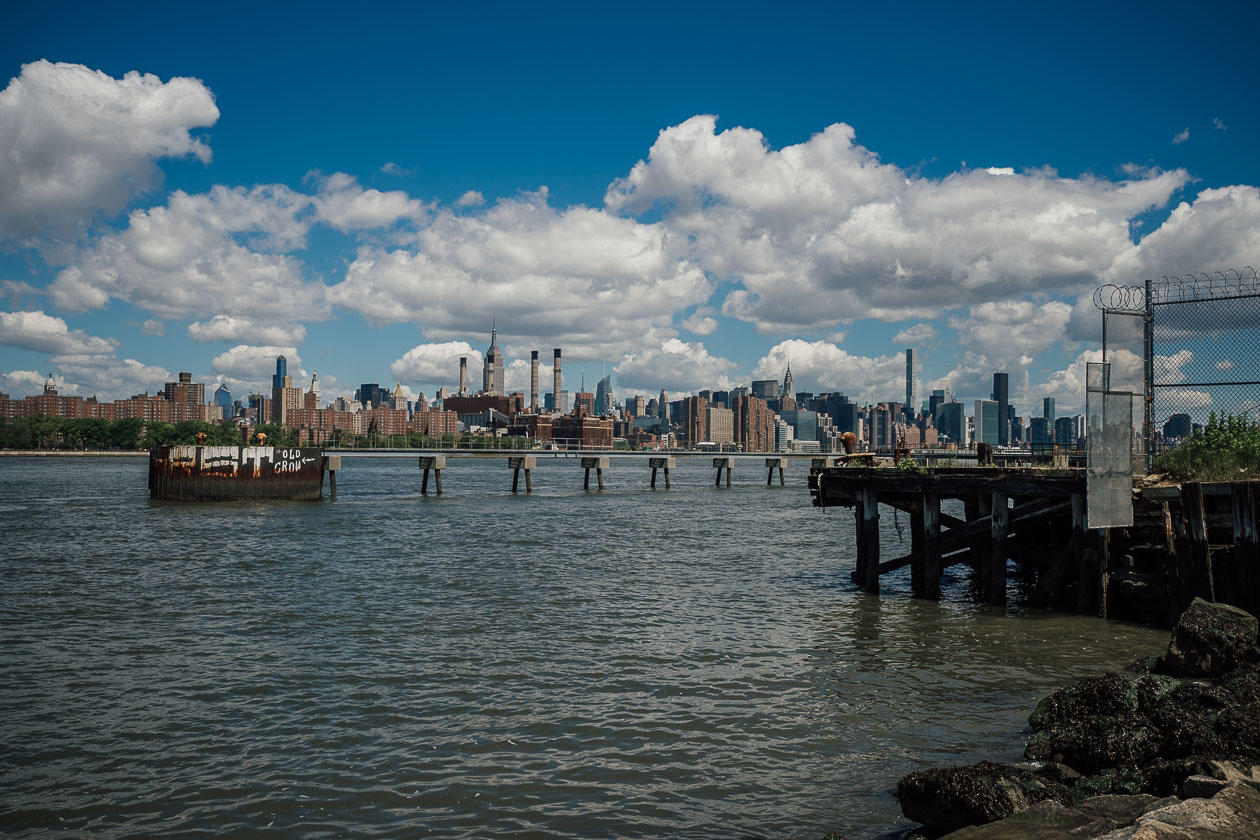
628 664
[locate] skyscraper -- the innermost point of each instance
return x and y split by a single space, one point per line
559 400
282 370
1001 396
789 392
604 395
223 399
910 392
987 423
533 382
492 375
1047 408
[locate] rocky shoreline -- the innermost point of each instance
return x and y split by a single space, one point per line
1168 750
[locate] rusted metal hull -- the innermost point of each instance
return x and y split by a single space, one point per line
231 473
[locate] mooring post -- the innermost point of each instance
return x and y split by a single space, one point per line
332 463
720 463
931 545
1202 583
771 465
1174 586
437 463
859 538
870 525
982 506
596 464
522 462
661 464
917 570
1246 551
1081 552
999 520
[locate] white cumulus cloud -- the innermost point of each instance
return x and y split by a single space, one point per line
680 367
916 334
76 143
254 365
240 328
46 333
820 366
438 364
187 259
824 232
580 277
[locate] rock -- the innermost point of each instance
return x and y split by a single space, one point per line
1210 639
1232 814
952 798
1107 694
1110 783
1091 744
1202 787
1048 820
1147 664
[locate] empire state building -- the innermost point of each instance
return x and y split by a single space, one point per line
492 374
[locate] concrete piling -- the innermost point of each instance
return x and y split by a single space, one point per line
332 463
437 463
597 464
662 463
518 463
729 464
771 464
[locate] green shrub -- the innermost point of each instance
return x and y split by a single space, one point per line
1227 448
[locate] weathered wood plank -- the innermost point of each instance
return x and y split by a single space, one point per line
996 571
1200 553
931 545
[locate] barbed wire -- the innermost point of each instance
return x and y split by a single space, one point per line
1113 298
1231 283
1204 286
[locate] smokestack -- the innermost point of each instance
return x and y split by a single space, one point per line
533 382
463 375
555 382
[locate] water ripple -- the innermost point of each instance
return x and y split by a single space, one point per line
560 664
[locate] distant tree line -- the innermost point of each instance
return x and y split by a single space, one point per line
94 433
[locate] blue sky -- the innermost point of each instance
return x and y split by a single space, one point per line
694 196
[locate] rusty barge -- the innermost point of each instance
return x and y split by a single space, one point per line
231 473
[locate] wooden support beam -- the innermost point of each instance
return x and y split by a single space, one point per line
1246 554
1053 577
983 507
1175 585
1201 583
916 550
859 541
870 527
931 546
996 572
1082 557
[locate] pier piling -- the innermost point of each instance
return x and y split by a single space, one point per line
729 464
519 463
332 463
597 464
437 463
662 464
771 464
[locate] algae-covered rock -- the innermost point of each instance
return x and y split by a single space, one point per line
1092 744
1107 694
1210 639
951 798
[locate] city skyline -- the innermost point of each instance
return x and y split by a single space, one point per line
370 217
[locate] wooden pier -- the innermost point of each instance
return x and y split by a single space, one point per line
1187 541
1035 516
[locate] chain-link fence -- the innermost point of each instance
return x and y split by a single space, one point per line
1194 342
